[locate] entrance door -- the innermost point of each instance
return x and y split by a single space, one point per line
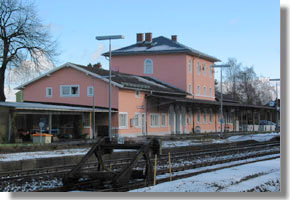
143 123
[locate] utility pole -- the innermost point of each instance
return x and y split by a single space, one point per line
221 83
110 37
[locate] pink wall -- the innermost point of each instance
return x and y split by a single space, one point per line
68 76
170 68
201 79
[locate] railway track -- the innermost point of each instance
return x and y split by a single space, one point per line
199 157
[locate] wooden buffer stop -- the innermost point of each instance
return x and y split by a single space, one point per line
102 175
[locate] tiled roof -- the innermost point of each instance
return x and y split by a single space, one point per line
136 82
161 45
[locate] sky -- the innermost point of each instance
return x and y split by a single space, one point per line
246 30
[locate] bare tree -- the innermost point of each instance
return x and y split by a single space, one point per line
22 38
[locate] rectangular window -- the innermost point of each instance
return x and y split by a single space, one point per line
154 120
87 120
205 117
198 68
137 119
190 66
90 91
198 117
190 118
210 92
204 91
204 69
210 71
210 117
69 90
198 90
190 89
163 120
123 117
49 92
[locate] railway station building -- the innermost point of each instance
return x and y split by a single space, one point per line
159 87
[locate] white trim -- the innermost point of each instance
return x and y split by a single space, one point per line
72 66
123 127
155 126
190 65
145 66
88 93
46 91
163 114
139 120
70 95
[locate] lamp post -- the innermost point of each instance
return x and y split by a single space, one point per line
110 37
276 104
221 109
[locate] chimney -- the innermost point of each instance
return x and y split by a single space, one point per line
174 38
148 38
139 38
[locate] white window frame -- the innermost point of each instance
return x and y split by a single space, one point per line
198 90
198 68
137 118
137 93
46 91
204 69
205 117
163 115
69 95
190 117
198 117
87 120
146 65
204 91
158 121
88 91
190 88
190 66
126 126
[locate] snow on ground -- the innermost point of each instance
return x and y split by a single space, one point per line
42 154
259 176
165 144
237 138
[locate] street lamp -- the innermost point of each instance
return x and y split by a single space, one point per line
110 37
221 110
276 104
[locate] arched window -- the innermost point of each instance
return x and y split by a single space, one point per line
210 92
148 66
198 90
204 91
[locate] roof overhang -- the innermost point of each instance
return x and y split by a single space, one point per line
64 66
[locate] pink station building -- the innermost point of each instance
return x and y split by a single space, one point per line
159 87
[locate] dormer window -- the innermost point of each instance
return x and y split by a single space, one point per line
148 66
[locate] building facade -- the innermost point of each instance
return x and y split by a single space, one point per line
159 87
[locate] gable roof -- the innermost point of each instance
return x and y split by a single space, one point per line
121 80
160 45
